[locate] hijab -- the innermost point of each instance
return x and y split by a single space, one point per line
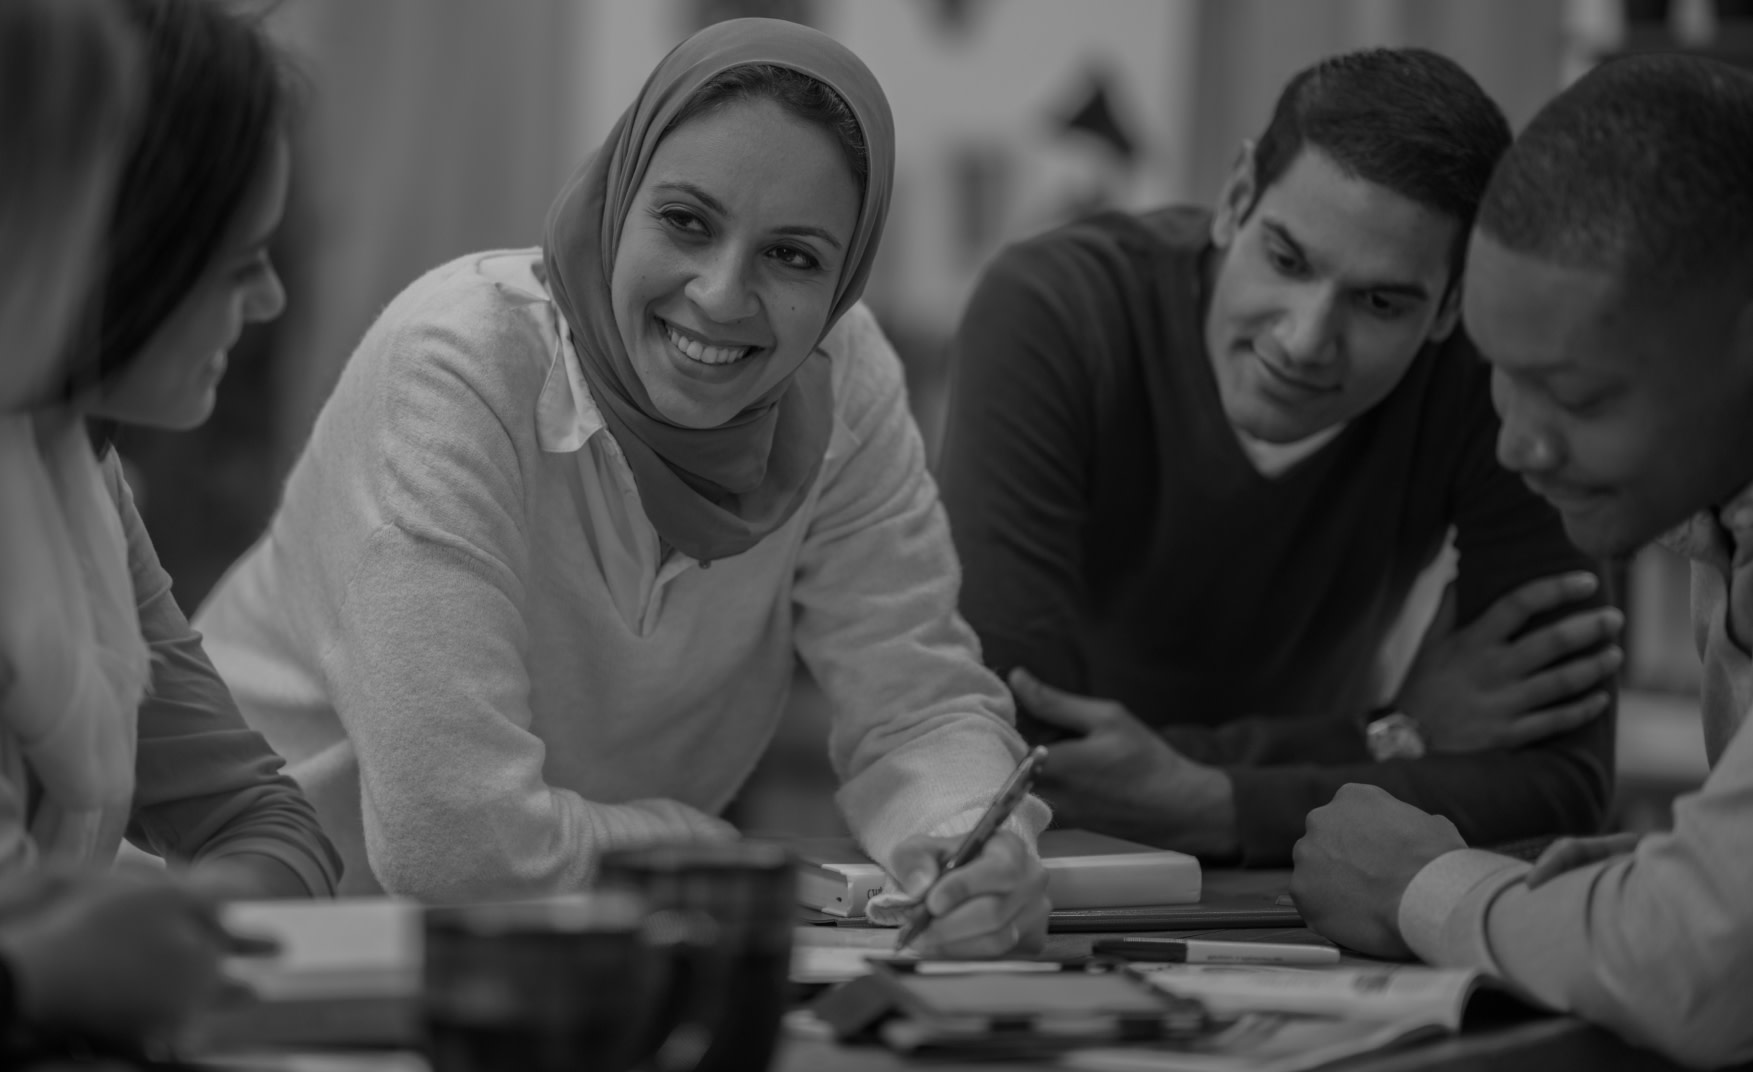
711 492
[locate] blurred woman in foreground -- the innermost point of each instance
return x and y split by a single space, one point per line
82 952
144 740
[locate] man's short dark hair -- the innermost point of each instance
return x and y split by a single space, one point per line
1643 168
1403 118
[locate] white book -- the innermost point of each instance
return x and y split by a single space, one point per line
349 948
347 974
1084 870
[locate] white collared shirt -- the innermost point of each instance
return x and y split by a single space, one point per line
1656 945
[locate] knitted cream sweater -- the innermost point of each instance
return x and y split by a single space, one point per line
461 630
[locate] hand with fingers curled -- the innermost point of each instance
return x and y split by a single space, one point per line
1568 854
1115 774
1356 859
1496 684
154 939
992 906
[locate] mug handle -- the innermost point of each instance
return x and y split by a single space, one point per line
675 935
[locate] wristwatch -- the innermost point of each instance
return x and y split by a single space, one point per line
1393 734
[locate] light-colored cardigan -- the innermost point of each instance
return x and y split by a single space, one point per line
462 632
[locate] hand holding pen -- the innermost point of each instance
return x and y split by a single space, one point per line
988 894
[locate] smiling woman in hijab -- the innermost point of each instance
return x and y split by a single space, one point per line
538 584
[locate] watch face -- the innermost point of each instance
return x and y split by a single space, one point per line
1394 736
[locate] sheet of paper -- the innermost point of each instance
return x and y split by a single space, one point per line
831 964
1389 992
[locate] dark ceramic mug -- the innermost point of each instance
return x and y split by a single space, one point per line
567 984
724 912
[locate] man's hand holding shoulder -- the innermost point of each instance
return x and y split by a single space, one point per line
1496 683
1352 867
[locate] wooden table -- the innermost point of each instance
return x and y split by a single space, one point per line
1499 1035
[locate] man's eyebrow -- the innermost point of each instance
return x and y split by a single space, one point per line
1282 233
1413 291
700 195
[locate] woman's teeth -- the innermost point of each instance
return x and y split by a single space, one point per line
708 355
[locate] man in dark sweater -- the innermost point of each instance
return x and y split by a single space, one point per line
1195 463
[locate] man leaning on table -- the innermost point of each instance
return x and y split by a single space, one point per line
1610 285
1196 460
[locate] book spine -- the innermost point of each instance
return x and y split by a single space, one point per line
833 893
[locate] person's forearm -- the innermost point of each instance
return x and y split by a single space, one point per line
1262 741
1193 812
253 876
1491 797
1631 944
1207 818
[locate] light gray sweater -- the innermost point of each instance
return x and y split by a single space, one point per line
463 632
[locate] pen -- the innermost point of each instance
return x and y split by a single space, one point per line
1016 787
1213 951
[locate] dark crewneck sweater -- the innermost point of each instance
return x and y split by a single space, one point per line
1117 541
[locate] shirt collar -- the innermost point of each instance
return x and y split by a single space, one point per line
566 414
1721 535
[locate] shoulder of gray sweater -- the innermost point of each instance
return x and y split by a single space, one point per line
867 374
460 339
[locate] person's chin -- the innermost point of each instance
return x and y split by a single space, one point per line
1280 413
1272 421
694 394
188 418
686 405
1599 530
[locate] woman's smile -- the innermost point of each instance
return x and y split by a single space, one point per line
695 361
706 352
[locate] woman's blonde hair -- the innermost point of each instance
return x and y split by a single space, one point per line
68 73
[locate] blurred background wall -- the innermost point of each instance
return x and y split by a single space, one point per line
433 128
